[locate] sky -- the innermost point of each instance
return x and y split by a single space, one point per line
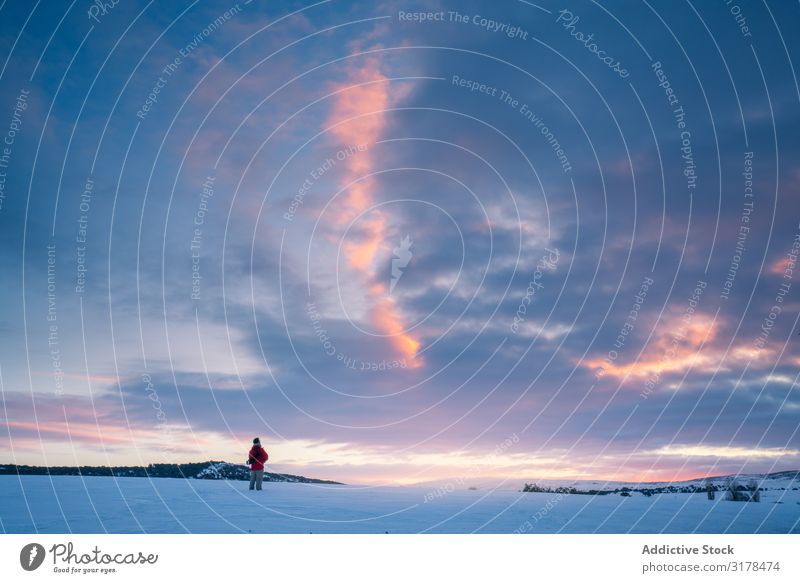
402 241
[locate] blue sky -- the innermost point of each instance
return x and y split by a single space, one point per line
204 210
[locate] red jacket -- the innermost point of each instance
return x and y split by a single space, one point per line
259 455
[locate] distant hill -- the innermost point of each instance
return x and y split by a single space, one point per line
210 470
784 480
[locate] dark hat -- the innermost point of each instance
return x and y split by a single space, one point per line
256 440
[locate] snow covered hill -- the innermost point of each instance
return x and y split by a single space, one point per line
81 504
786 480
228 471
772 481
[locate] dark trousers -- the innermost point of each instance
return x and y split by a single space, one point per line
256 477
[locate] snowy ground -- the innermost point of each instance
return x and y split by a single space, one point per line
63 504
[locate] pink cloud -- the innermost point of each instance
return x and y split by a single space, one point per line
679 346
357 118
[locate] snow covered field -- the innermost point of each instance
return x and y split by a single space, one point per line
63 504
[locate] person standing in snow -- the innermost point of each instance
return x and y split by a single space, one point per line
256 460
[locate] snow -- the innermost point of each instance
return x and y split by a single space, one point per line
63 504
222 471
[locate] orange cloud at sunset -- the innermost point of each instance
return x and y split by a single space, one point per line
387 319
780 266
357 118
681 344
676 347
361 255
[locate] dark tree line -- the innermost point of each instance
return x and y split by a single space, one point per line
210 470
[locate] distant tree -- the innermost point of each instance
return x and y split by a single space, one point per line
732 491
755 492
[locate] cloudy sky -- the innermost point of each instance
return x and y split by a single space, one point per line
402 241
